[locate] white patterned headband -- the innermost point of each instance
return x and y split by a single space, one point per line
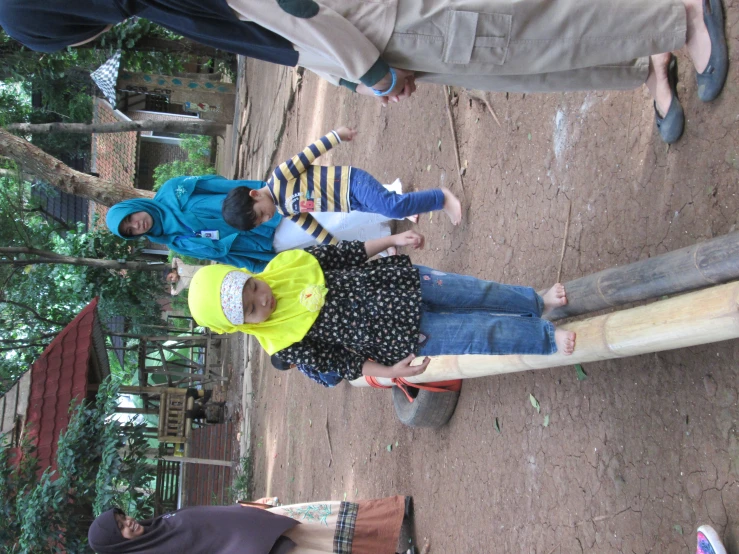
232 302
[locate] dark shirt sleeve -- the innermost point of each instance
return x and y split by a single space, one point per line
324 358
340 256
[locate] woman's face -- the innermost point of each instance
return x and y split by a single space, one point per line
129 527
135 224
259 302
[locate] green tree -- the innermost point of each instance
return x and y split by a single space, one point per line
101 463
38 300
198 149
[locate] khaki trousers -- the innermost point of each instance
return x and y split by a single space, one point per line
534 45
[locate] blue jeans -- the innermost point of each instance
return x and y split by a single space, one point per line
366 194
464 315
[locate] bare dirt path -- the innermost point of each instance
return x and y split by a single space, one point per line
636 456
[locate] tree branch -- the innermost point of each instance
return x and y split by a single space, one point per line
24 346
46 257
36 162
196 127
34 312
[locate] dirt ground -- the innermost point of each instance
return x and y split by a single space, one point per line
636 456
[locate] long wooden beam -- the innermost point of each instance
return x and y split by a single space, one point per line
705 264
709 315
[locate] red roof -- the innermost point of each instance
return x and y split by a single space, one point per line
58 379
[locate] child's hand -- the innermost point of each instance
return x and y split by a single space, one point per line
410 238
346 134
404 368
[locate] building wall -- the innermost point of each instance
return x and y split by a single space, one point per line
153 155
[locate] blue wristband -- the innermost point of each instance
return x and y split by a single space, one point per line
391 87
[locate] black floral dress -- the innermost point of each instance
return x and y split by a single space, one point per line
372 311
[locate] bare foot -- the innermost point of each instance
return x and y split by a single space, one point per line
554 298
452 206
413 218
565 341
658 83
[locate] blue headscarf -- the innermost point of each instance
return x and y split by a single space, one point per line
185 206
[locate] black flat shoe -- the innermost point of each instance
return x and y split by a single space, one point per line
671 126
712 80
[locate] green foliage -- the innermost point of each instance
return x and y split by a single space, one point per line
241 485
37 301
198 149
14 480
53 513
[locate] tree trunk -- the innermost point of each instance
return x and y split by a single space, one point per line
35 161
198 127
45 257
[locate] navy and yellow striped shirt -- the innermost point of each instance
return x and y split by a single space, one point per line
299 188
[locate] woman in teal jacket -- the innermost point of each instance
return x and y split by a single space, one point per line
186 216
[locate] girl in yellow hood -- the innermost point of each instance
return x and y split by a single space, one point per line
333 309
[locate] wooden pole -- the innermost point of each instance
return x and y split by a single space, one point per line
705 264
130 389
203 461
152 411
702 317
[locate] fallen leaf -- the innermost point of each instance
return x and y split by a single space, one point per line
344 497
529 136
396 444
356 491
428 168
431 216
389 447
310 423
497 426
534 403
581 375
546 420
439 144
678 528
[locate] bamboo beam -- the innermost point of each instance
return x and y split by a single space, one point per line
709 315
705 264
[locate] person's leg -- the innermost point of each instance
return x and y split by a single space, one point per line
463 293
479 332
368 195
622 76
503 37
465 315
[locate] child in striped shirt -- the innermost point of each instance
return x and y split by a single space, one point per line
297 188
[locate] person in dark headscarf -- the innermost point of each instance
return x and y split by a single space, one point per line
364 527
206 529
